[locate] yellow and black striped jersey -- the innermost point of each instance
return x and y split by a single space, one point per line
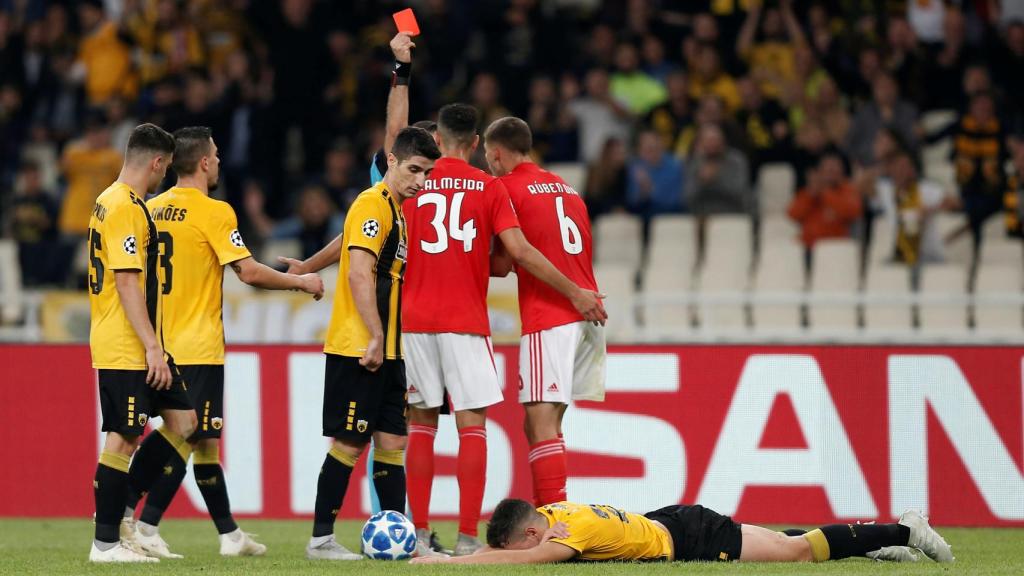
121 237
598 532
197 237
374 223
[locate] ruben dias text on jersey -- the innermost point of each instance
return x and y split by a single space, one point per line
551 188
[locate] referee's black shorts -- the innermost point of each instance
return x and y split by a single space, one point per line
358 402
699 533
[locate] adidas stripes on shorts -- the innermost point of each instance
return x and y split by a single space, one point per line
562 364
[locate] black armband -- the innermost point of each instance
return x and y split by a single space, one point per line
402 72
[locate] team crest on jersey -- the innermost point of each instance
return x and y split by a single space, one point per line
143 418
361 426
130 246
236 239
217 423
371 228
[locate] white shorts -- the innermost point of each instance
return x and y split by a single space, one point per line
563 363
463 364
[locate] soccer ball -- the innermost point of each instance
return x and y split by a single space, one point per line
389 535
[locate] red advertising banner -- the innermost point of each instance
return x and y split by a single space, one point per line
768 434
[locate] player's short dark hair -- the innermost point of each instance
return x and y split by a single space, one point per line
190 145
458 123
428 125
148 139
412 141
512 133
507 520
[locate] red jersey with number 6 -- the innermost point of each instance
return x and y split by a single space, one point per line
554 219
450 225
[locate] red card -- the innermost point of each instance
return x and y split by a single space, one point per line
406 22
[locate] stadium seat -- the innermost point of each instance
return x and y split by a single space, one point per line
80 264
618 284
959 250
330 277
574 174
1001 251
780 270
883 242
11 302
942 173
943 318
725 270
666 320
995 229
882 315
936 120
288 247
835 272
673 241
994 317
776 184
618 240
779 229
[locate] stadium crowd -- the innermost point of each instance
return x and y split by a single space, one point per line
673 106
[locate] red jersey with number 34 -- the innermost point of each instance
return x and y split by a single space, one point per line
554 219
450 225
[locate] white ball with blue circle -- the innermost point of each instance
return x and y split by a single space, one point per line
389 535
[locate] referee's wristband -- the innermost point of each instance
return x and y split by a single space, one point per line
402 72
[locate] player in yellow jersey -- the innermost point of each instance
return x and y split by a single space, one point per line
137 378
521 534
364 383
198 236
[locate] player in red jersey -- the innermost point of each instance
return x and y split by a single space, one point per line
446 332
561 355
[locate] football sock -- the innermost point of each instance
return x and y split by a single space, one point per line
419 471
157 451
330 490
110 488
389 478
838 541
210 479
162 492
548 466
471 472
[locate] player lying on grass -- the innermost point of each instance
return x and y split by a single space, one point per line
521 534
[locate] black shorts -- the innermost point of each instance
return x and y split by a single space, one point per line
127 402
206 391
358 402
700 534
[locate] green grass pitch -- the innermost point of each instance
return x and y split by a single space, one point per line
54 547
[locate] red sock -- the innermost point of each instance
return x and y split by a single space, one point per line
419 472
547 463
471 473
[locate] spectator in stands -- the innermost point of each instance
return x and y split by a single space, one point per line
599 116
655 179
707 77
339 180
765 126
171 43
947 62
979 154
606 180
315 224
554 130
885 109
810 143
1013 200
485 95
828 108
828 205
767 42
90 165
631 85
711 110
908 203
33 225
718 180
104 57
656 65
1008 64
673 120
905 59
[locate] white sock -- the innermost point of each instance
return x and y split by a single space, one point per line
147 529
317 541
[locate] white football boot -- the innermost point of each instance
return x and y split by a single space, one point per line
119 553
330 550
240 543
925 538
152 544
893 554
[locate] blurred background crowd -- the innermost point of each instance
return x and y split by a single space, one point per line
666 107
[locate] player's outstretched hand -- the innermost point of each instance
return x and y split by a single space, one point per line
588 303
294 266
158 374
313 284
557 530
374 355
401 47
